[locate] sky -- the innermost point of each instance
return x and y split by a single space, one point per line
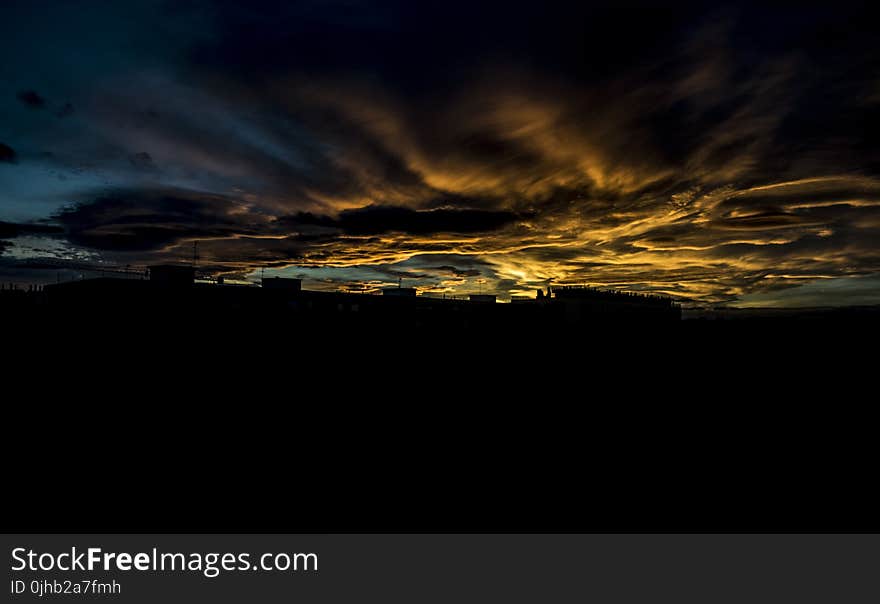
720 153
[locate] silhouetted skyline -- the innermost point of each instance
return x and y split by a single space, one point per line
720 154
169 295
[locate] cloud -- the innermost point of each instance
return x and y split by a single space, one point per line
31 99
373 220
7 154
472 272
706 154
10 230
764 221
142 161
152 220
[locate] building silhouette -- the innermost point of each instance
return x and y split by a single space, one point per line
170 294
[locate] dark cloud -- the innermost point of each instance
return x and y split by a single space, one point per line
7 154
150 220
763 221
372 220
31 99
10 230
471 272
142 161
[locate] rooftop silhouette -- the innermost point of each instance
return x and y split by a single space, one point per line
170 293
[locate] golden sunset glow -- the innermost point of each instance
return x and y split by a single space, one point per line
679 161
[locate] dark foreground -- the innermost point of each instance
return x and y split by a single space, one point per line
241 423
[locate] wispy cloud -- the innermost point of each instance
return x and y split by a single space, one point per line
714 157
